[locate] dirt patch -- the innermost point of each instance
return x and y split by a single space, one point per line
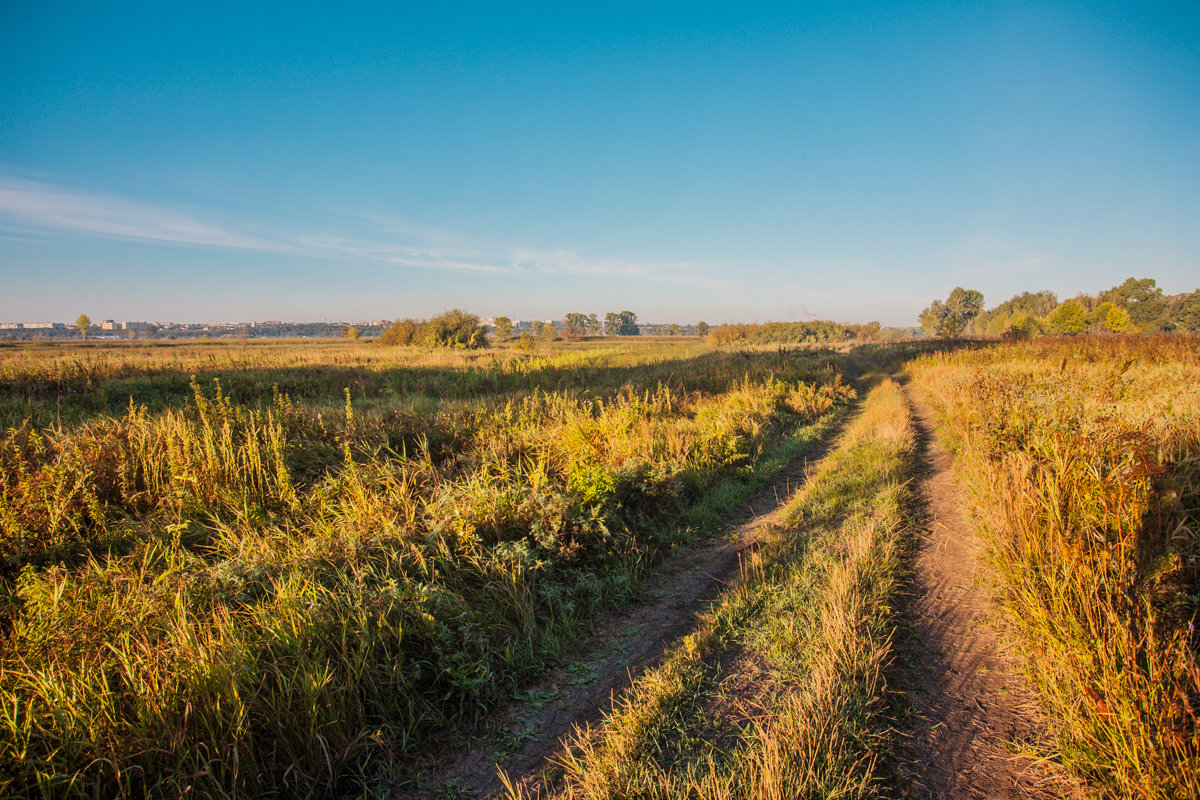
627 642
976 720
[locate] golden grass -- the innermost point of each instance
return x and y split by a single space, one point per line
1082 462
814 604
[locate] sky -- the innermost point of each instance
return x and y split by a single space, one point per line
698 161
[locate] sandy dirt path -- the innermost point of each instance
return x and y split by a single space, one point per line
976 719
627 642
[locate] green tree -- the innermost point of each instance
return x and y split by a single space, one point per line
1185 313
525 343
455 328
950 319
1068 319
536 326
549 332
575 325
621 323
593 325
504 328
84 324
352 333
1142 299
702 328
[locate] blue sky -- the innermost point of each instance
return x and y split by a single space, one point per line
695 161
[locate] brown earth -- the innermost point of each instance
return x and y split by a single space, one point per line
976 722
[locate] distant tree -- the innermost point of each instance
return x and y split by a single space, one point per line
504 328
549 332
536 326
351 333
1068 319
1185 314
575 325
454 328
84 324
1022 326
621 323
702 328
951 318
525 342
401 332
1116 320
674 329
1142 299
593 325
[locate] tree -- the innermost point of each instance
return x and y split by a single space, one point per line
504 328
951 318
574 326
84 324
352 333
1116 320
622 323
1068 319
593 325
536 326
702 328
549 332
1186 311
674 329
401 332
1142 299
454 328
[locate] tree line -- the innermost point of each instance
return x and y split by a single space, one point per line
1138 304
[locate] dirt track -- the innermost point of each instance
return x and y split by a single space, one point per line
976 719
626 644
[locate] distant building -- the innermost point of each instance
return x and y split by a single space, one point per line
108 325
45 325
134 326
11 326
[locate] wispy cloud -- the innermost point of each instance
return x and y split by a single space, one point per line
29 206
39 206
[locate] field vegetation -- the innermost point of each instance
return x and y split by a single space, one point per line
1081 459
291 569
808 626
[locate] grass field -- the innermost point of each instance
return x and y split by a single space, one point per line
1082 463
288 568
308 568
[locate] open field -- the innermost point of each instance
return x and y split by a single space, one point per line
243 570
318 568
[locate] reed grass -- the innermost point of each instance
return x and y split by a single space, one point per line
1082 463
810 618
237 590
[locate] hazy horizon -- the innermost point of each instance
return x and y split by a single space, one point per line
849 162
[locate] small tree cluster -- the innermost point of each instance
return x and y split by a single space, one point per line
454 328
950 319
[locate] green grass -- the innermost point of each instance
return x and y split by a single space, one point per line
810 622
305 567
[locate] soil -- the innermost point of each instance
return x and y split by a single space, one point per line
976 722
627 642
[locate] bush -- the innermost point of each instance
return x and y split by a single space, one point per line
454 328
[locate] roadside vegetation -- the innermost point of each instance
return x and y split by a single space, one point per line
780 691
292 569
1081 459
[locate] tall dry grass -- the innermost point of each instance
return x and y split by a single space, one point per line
1082 462
811 610
234 591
